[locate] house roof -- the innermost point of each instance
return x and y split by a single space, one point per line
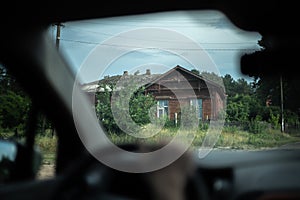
94 86
179 68
151 79
117 80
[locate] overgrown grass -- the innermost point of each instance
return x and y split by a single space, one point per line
250 141
45 143
230 138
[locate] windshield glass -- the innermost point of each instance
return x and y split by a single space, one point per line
168 75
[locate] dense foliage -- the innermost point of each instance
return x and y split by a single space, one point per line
138 104
14 103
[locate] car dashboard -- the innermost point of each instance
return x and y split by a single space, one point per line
267 174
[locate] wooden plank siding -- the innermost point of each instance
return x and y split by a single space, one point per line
179 84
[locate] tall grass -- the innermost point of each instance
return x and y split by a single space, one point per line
47 145
44 143
230 138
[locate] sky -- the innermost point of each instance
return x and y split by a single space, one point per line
202 40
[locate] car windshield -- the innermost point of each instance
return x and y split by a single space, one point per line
172 77
153 76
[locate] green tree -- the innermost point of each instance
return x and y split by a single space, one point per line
239 86
212 77
243 87
242 108
229 84
103 108
14 102
268 87
13 110
195 71
139 106
238 109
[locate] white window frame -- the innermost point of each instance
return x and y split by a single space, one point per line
196 102
163 108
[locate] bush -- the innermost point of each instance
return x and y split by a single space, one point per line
203 125
46 144
274 120
116 120
231 129
170 123
257 125
291 118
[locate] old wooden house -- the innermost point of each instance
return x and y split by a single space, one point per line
180 87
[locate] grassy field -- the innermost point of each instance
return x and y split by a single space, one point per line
230 138
250 141
226 140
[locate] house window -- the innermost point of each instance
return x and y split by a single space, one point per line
162 108
197 103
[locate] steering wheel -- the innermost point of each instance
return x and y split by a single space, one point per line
89 179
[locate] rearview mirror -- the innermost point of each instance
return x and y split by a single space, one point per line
12 161
8 154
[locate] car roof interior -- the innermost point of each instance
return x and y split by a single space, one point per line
273 20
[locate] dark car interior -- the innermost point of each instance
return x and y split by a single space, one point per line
220 175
